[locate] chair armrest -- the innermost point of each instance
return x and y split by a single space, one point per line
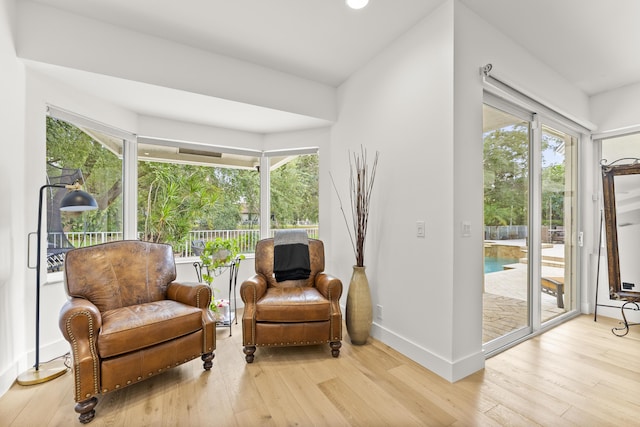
253 289
79 319
193 294
80 322
329 286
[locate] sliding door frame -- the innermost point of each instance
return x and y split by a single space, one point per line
524 110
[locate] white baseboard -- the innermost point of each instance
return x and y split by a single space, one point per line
8 377
49 352
450 370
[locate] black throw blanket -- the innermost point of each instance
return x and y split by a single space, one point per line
291 255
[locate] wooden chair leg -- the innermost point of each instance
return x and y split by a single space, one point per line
335 348
86 409
207 358
248 351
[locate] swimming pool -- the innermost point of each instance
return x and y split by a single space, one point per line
493 264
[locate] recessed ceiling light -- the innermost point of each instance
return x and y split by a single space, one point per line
357 4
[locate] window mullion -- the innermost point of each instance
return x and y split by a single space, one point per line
130 189
265 197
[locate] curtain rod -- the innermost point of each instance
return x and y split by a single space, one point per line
536 103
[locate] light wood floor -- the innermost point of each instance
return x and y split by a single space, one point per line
576 374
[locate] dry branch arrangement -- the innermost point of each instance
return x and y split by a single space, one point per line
360 188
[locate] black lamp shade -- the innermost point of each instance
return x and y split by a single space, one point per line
78 200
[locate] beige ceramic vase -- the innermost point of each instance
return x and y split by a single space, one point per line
359 310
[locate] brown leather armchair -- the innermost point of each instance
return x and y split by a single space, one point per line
290 312
127 320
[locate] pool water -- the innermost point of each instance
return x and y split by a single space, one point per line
493 264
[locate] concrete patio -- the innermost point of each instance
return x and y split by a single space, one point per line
505 294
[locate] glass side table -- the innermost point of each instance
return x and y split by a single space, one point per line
233 268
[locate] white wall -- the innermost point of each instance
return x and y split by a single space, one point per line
617 109
419 102
12 223
401 104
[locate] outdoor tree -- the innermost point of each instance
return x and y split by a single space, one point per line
553 195
171 199
294 192
68 147
506 181
506 158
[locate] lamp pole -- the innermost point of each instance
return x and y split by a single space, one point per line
75 200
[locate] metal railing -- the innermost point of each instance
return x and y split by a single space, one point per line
505 232
247 239
78 239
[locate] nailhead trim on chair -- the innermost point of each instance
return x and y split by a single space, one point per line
331 331
117 386
253 316
205 345
293 343
94 357
198 295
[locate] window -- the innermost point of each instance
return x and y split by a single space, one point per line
80 153
190 193
187 195
171 191
294 193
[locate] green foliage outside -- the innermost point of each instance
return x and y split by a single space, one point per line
171 200
69 147
174 199
294 192
506 178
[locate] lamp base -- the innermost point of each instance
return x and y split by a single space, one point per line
46 372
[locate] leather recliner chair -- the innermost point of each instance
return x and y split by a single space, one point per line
290 312
127 320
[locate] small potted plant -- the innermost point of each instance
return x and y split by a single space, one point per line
217 254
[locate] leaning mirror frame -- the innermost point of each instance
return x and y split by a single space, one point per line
609 172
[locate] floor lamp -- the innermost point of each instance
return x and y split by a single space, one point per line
75 200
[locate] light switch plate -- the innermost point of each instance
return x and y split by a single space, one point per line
466 229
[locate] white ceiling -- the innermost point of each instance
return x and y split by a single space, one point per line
594 44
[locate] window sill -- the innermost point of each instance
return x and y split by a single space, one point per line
54 278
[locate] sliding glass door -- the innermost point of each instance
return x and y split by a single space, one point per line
507 304
530 227
558 226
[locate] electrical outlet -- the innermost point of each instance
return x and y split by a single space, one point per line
379 311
